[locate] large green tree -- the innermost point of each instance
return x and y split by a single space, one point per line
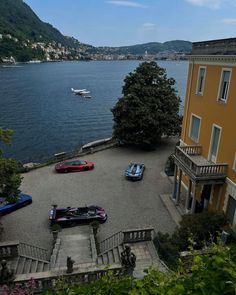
10 179
149 107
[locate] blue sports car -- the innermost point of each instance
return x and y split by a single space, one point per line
6 207
134 171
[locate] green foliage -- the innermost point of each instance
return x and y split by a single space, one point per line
56 227
149 107
20 21
203 229
10 179
213 274
21 53
5 135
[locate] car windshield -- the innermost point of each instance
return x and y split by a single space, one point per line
3 202
92 212
75 163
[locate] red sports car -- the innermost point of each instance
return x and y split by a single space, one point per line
74 165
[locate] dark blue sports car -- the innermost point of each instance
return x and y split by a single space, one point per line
6 207
134 171
72 216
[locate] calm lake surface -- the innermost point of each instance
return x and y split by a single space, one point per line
37 103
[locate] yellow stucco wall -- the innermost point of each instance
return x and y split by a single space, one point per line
212 112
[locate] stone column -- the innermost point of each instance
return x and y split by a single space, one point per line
219 197
192 210
188 195
179 188
175 183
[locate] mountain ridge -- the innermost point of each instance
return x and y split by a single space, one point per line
24 36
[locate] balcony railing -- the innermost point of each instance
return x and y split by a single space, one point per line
189 157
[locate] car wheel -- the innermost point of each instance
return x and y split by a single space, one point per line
66 171
25 204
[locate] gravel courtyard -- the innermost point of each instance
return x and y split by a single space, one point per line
128 204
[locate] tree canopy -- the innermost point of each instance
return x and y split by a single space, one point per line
10 179
149 107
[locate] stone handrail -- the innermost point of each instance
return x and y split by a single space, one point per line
125 236
184 154
33 251
138 235
9 249
110 242
49 280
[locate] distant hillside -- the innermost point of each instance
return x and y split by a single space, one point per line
151 48
18 19
24 37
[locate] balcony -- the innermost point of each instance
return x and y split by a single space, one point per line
199 169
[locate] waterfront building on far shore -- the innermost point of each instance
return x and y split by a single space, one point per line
205 161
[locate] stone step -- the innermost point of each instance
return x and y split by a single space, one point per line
24 265
34 266
99 260
20 265
40 266
110 255
27 265
116 255
120 249
13 263
46 266
105 258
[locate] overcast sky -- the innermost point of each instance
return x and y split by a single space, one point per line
123 22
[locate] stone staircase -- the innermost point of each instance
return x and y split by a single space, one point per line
141 244
24 258
25 265
90 262
111 256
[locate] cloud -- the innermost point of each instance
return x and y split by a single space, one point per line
229 21
126 3
148 27
213 4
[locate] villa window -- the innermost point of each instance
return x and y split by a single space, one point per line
201 80
195 128
224 85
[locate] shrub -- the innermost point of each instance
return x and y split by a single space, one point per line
203 228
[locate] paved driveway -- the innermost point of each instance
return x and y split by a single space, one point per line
128 204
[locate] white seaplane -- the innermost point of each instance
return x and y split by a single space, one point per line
80 91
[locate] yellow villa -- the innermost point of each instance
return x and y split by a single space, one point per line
205 161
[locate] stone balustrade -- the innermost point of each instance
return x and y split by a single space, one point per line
49 280
125 236
137 235
9 249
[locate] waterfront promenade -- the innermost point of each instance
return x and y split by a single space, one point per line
128 204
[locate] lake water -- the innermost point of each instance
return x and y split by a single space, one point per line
37 103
